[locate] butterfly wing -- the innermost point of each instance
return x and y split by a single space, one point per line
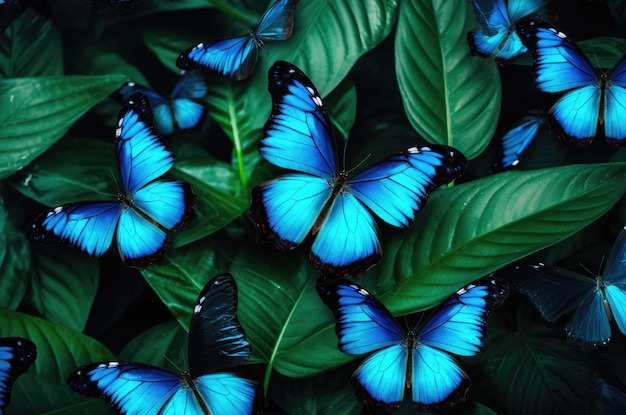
457 326
396 188
187 112
516 141
277 21
364 325
16 356
227 393
614 109
216 339
607 396
561 67
235 58
162 114
614 276
88 226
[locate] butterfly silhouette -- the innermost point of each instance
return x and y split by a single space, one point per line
236 57
321 201
496 36
420 360
556 291
179 109
517 140
216 341
16 356
588 96
145 207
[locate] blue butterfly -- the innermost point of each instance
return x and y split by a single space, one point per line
589 97
608 396
496 35
144 208
216 342
16 356
179 108
323 202
420 360
556 291
236 57
516 141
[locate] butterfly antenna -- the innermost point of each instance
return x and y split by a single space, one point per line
360 162
588 270
171 362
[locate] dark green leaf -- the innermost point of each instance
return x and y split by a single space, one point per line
450 97
341 107
36 112
15 262
163 346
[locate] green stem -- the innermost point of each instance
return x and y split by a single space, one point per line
237 142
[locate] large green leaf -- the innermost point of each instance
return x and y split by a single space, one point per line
164 345
470 230
449 97
31 46
36 112
60 350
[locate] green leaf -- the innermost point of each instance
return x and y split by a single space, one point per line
36 112
31 46
164 345
63 287
341 107
472 229
449 97
15 262
59 351
528 366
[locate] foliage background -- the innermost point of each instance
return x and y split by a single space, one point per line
394 73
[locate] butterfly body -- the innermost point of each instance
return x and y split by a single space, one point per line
587 96
16 357
216 342
236 57
419 360
322 202
145 207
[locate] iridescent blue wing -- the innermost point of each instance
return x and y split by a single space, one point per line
88 226
216 339
561 67
516 141
364 325
228 394
162 114
277 21
187 112
396 188
614 109
141 154
298 135
615 268
457 326
16 356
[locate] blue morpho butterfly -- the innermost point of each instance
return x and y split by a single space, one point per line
496 36
145 206
216 342
556 291
589 97
16 356
236 57
321 201
607 396
517 140
179 109
420 360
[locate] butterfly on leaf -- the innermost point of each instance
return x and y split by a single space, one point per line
420 360
145 208
236 57
16 356
320 200
179 109
497 19
517 140
588 97
216 342
556 291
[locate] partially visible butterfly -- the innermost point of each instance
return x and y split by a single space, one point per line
496 36
216 342
319 199
419 360
179 109
145 207
517 140
556 291
236 57
16 356
607 396
588 96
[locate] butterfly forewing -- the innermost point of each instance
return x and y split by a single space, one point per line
516 141
277 22
16 357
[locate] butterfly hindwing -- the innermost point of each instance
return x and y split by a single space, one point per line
516 141
16 356
277 21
